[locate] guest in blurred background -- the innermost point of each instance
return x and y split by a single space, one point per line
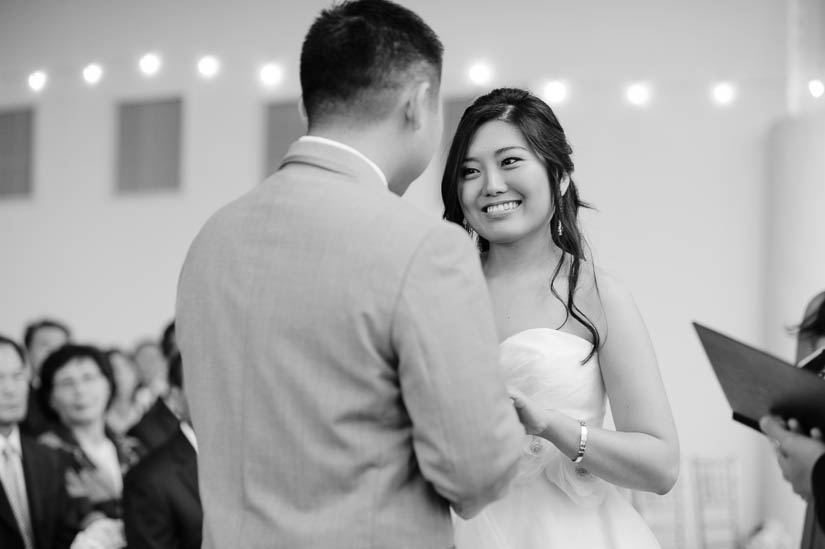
41 338
152 371
77 387
35 509
124 412
161 500
161 420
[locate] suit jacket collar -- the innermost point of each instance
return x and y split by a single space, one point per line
336 159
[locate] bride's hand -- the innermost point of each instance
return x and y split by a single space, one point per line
534 418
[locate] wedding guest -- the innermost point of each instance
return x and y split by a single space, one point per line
161 500
40 338
77 387
124 411
161 420
152 370
36 511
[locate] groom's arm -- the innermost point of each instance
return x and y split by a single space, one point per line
466 434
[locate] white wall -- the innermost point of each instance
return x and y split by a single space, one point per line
680 186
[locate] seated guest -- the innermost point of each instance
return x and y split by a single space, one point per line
161 502
41 338
77 387
35 509
158 423
152 369
161 420
124 411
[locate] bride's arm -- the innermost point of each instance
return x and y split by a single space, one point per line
643 452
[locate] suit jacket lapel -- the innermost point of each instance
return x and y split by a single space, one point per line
332 158
34 470
6 514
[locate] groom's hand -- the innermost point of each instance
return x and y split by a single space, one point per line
534 418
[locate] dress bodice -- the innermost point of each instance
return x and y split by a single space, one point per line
546 365
554 503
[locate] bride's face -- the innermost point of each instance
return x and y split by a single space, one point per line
504 188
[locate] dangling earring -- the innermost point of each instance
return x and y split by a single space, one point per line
560 230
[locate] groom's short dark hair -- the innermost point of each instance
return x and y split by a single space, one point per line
358 54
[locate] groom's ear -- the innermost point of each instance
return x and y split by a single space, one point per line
302 112
415 104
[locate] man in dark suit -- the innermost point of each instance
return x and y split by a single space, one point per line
35 509
161 502
161 420
41 338
157 425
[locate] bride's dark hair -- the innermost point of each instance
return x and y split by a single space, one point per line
540 127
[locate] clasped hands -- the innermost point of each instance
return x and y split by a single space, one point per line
796 451
534 418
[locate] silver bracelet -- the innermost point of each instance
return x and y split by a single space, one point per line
582 442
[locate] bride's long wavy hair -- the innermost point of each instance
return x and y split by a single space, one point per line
542 130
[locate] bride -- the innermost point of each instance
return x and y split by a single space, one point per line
571 337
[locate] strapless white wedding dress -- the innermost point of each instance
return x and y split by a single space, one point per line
554 503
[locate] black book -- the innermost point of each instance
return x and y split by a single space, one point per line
756 383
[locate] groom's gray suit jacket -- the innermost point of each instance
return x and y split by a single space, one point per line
341 361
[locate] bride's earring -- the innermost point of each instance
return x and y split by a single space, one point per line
560 230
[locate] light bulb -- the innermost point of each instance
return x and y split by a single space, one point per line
37 80
92 73
150 64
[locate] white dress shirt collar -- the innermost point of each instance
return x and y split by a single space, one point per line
12 441
356 152
189 433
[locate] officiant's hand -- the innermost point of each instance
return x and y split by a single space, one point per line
534 418
796 452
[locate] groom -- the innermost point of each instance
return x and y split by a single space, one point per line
338 342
